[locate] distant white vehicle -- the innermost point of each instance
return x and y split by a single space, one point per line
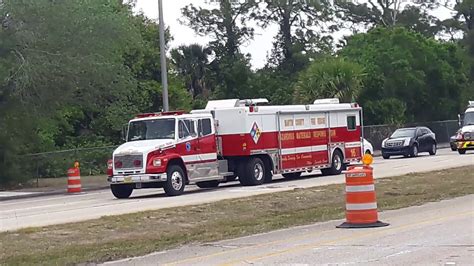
368 148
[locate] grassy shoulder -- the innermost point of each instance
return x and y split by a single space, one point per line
115 237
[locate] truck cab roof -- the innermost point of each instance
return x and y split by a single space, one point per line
174 115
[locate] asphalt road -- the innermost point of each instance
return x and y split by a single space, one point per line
48 210
439 233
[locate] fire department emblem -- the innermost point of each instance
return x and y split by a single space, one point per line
255 132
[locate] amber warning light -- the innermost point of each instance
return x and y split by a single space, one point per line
367 159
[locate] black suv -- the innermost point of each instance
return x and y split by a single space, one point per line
409 142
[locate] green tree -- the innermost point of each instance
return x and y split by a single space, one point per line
329 78
389 111
71 72
389 13
192 63
271 84
301 31
232 77
226 25
428 76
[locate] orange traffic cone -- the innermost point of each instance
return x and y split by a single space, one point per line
361 202
74 179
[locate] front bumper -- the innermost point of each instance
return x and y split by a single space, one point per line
465 145
404 150
137 178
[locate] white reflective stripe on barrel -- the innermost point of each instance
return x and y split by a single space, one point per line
365 188
361 206
74 186
74 178
356 174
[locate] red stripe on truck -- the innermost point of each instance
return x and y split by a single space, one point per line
243 144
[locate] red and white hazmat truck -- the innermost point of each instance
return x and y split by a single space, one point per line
235 138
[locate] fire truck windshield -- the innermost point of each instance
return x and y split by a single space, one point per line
468 119
152 129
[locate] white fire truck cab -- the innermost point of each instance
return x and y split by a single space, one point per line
235 138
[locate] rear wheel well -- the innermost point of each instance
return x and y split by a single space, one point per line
179 162
267 160
334 151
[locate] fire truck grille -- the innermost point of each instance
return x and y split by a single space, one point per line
128 161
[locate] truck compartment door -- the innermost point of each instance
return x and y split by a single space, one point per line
287 141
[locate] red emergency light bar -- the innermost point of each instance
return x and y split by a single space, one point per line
160 114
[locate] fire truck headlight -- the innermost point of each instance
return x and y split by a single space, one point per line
157 162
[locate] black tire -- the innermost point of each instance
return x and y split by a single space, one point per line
208 184
433 149
253 172
268 173
368 152
462 151
385 156
291 175
337 164
121 191
176 181
414 150
454 148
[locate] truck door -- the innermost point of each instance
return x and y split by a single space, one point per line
319 138
287 141
303 146
207 146
188 146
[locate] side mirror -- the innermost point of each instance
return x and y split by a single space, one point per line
123 133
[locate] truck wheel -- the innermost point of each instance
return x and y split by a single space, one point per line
433 149
121 191
291 175
268 173
175 182
253 172
337 164
208 184
461 151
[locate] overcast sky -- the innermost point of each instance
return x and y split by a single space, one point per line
258 48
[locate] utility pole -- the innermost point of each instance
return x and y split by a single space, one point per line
164 72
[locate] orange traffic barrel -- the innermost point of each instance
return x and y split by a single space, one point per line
74 180
361 202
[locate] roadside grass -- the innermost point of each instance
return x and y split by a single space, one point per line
116 237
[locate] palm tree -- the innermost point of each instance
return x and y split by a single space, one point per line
192 61
329 78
